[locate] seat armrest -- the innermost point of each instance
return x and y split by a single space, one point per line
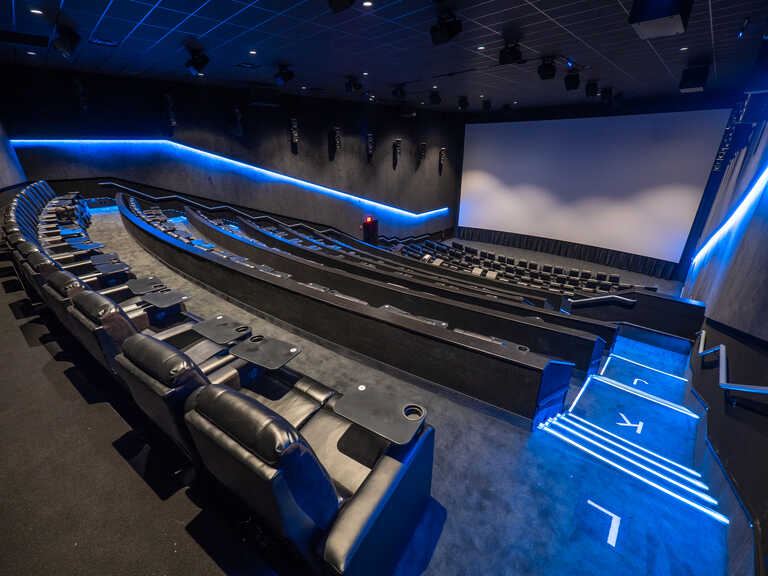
374 526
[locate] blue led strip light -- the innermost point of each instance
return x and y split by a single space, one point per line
624 440
636 363
650 397
712 513
21 142
693 481
741 210
706 497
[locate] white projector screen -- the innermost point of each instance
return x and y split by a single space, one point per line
628 183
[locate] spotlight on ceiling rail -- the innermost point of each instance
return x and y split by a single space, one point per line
463 103
547 69
283 75
198 59
446 29
66 41
572 80
352 83
339 5
510 54
743 29
591 89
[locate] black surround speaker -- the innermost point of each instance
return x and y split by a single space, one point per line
659 18
370 230
694 79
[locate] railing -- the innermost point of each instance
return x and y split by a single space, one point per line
723 383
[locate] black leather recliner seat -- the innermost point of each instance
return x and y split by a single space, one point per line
353 512
160 377
101 325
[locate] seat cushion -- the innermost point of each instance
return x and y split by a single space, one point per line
325 432
161 361
293 405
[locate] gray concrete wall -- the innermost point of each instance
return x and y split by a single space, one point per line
732 278
10 170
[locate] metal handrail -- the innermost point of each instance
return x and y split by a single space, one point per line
623 299
723 369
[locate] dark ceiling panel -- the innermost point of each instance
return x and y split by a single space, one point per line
391 41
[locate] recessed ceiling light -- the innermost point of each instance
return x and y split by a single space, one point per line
482 95
434 87
422 103
36 11
367 3
515 102
365 73
201 73
303 87
31 53
481 47
684 49
252 52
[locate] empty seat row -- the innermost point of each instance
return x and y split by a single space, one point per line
344 497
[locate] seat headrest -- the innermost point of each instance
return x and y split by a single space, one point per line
94 306
14 237
26 248
65 283
41 263
258 429
162 361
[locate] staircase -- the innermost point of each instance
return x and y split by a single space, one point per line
631 417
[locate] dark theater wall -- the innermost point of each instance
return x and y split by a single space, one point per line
106 108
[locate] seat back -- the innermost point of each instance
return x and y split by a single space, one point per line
100 325
262 459
160 378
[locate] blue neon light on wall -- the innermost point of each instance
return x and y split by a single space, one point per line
276 176
736 216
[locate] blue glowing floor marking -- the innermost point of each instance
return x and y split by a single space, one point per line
636 454
741 210
706 497
645 395
651 452
21 142
713 514
636 363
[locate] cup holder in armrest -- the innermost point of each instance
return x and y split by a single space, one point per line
414 412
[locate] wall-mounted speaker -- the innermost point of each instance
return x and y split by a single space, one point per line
397 148
293 130
370 146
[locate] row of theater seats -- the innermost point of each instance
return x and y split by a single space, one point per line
523 272
343 497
